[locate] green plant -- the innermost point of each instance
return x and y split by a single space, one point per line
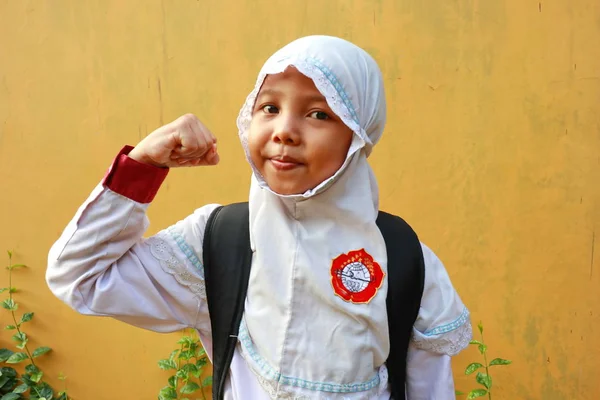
484 379
188 362
29 385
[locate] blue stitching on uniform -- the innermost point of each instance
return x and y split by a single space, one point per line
185 248
457 323
269 372
337 85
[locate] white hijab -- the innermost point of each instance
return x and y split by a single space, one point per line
303 333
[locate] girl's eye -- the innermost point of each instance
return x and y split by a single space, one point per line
319 115
269 109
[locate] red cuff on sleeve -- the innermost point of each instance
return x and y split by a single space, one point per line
132 179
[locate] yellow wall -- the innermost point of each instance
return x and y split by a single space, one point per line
491 152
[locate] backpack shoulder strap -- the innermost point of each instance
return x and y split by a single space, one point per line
227 260
406 280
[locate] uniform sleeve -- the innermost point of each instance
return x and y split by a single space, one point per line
101 265
442 330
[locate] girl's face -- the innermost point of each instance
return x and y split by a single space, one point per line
295 140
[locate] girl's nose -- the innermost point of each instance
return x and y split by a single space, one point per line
286 131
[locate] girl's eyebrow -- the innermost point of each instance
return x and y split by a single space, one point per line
312 98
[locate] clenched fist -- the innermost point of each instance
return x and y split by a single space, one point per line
184 142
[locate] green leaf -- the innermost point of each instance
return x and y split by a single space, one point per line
8 379
17 358
473 394
189 387
201 352
10 327
201 362
459 393
27 380
4 289
32 369
9 253
475 342
34 373
482 348
190 368
167 364
480 326
44 390
11 396
21 339
172 380
207 381
15 266
186 340
181 374
61 377
193 348
10 305
484 379
167 393
186 355
37 377
26 317
173 354
500 361
13 290
40 351
472 368
8 372
5 354
21 388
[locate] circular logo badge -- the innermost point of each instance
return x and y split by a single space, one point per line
356 277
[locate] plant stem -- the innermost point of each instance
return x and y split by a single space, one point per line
10 296
487 371
200 379
178 368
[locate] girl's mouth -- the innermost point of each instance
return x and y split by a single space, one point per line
284 163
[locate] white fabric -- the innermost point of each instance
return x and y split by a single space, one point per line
102 266
317 343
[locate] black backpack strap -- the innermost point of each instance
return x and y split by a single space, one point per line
406 280
227 260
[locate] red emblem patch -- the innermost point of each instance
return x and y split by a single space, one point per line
356 277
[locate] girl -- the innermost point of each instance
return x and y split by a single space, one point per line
317 110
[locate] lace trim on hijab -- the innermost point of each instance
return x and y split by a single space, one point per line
161 249
336 97
448 339
274 382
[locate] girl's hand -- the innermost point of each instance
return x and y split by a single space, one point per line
185 142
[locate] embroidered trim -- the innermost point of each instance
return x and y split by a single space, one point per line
162 251
185 248
270 379
337 85
450 342
458 322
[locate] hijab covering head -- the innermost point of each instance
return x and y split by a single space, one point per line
315 322
346 75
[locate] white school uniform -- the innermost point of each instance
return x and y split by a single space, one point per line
307 332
